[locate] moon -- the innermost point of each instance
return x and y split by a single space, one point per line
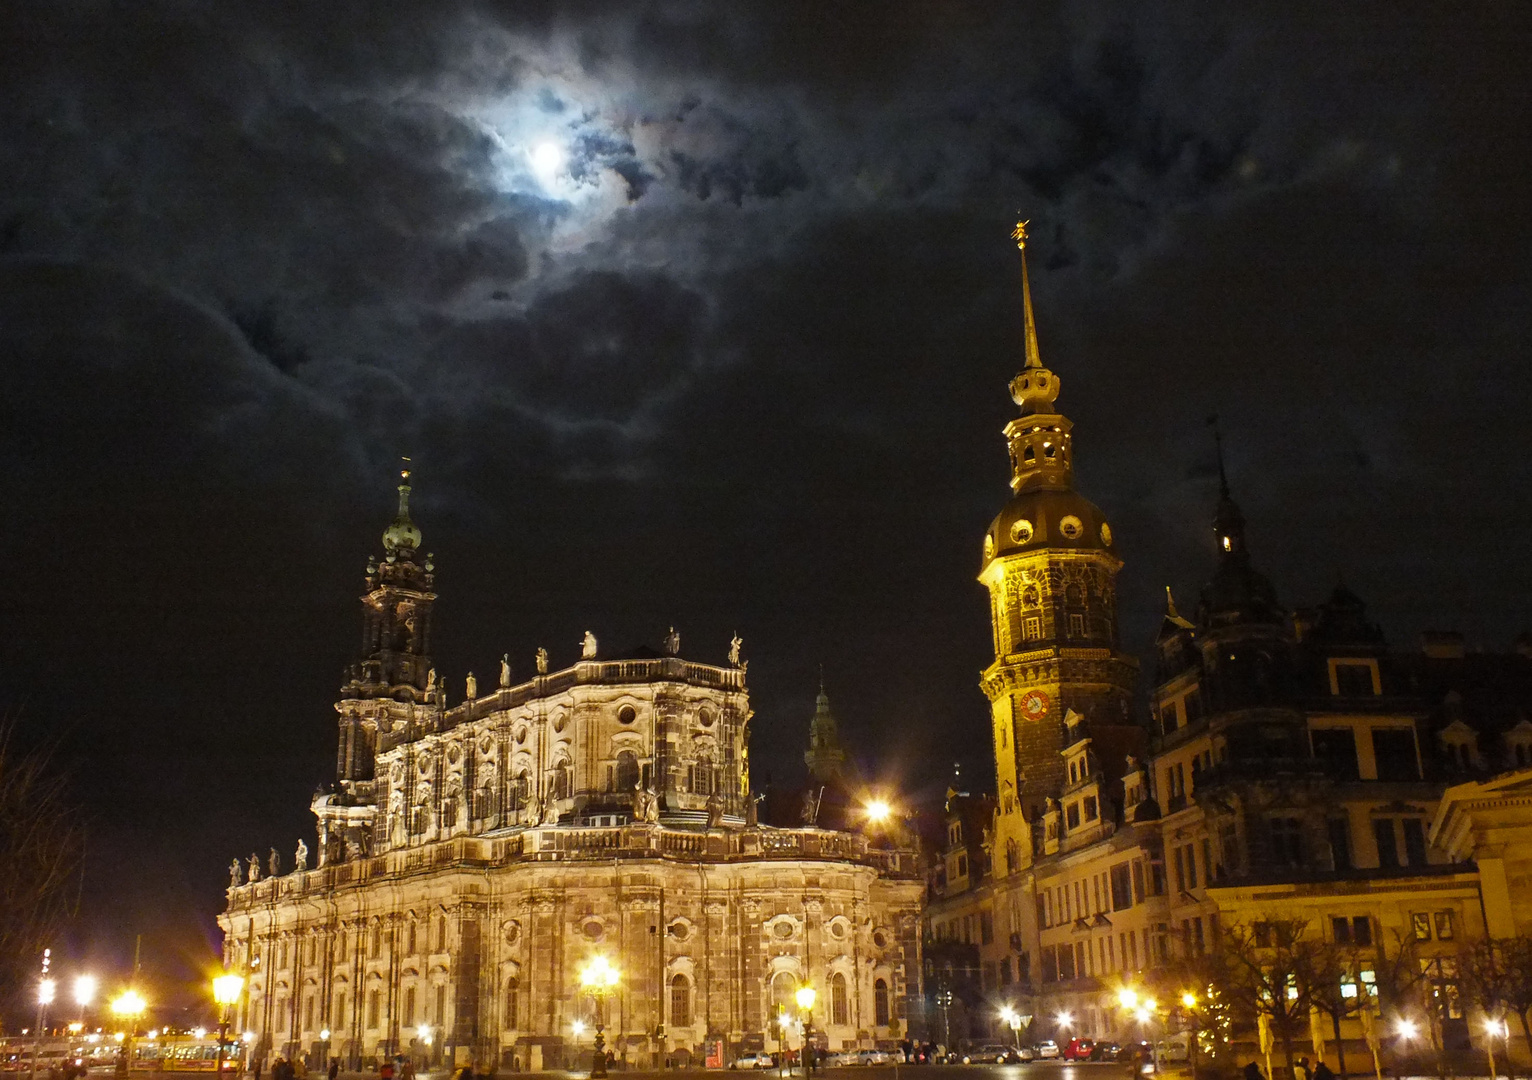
547 160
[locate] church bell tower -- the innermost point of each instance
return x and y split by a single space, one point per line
390 685
1051 570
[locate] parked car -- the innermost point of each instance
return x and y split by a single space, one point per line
1047 1049
1026 1053
874 1057
1106 1051
753 1061
1078 1049
993 1054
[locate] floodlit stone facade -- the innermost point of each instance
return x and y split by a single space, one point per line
472 860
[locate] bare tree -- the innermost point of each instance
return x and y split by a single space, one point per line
42 842
1497 972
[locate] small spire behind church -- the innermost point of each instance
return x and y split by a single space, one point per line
824 757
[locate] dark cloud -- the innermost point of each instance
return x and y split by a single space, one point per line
736 362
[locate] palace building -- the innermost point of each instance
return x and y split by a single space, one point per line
1292 766
472 858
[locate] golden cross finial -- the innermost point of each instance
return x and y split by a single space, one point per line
1020 234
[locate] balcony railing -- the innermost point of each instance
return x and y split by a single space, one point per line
556 844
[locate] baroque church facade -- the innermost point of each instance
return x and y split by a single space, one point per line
472 859
1293 767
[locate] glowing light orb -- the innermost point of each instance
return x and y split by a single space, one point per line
547 160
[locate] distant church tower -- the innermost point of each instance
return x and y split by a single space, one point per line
390 685
824 757
1051 571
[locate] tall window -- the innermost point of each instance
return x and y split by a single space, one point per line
1287 841
413 941
1388 848
680 1001
441 934
627 771
880 1001
512 1001
373 1000
561 777
409 1007
338 1017
838 1003
1339 830
308 1013
441 1006
1414 840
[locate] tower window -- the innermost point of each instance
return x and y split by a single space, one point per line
1029 456
1034 629
1077 625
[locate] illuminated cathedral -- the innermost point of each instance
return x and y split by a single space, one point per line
473 858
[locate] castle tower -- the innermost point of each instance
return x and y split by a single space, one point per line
391 684
1051 571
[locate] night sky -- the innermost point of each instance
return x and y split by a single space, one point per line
731 356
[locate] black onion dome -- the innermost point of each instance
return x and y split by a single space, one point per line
1052 519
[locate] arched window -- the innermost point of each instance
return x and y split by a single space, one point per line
839 1012
680 1001
627 771
512 1001
783 986
561 774
486 802
880 1003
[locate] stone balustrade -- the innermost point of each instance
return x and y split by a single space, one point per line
565 843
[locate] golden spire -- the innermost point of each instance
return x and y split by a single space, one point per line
1034 358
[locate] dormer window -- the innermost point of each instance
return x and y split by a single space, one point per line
1354 677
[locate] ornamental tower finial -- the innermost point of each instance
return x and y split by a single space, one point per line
402 535
1036 388
1034 357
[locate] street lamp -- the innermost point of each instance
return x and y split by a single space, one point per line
805 996
1015 1021
226 990
600 978
84 993
129 1006
45 990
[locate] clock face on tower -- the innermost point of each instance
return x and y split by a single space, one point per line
1034 705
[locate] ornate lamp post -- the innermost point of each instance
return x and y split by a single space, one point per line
805 998
45 990
226 990
599 978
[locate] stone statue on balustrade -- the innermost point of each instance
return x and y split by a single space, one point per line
588 646
301 857
275 863
715 810
255 868
236 874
